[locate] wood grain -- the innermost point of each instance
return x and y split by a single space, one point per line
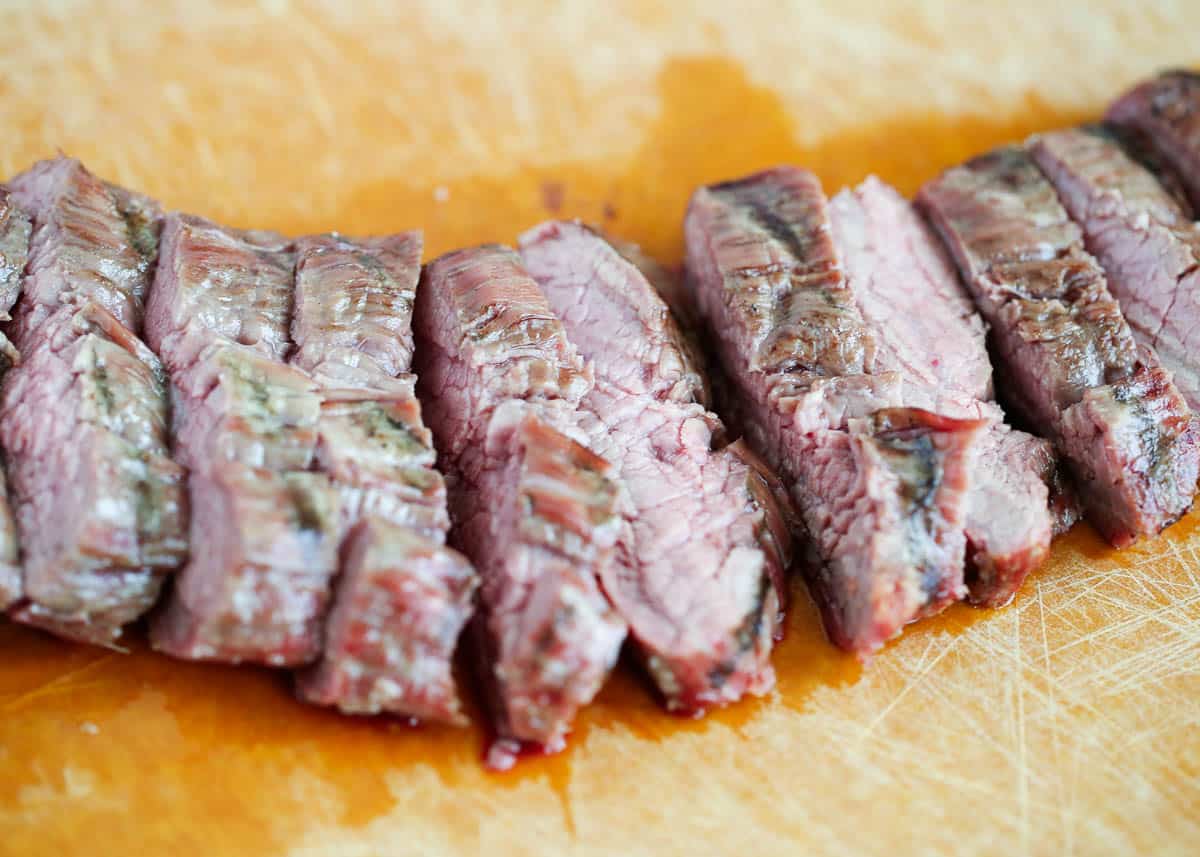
1068 723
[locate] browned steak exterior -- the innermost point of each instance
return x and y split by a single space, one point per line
1069 361
792 339
699 576
100 506
1142 235
1166 113
928 332
532 507
402 597
246 424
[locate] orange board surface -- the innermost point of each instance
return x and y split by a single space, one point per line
1067 723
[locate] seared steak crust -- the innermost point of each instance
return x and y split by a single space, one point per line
766 275
1072 366
532 507
699 576
928 332
1145 239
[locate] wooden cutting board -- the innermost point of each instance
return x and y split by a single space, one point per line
1068 723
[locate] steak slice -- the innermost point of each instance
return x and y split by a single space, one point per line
533 508
354 301
402 597
216 283
927 331
402 601
259 588
87 409
1166 113
235 404
1145 239
1070 361
247 426
802 362
700 576
885 509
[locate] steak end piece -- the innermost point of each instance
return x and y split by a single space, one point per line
1166 112
1069 360
258 590
399 605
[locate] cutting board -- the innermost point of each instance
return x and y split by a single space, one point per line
1066 723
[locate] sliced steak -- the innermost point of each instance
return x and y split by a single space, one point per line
235 404
215 283
802 363
402 600
87 408
927 331
1145 239
885 507
354 301
402 597
1070 363
258 589
534 509
247 426
1166 113
700 575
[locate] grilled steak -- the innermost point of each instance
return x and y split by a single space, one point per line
1070 361
883 497
532 507
99 504
927 331
258 588
354 302
402 597
219 284
1145 239
1166 112
401 602
699 577
246 425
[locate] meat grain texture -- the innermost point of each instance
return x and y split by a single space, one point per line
883 496
700 563
928 332
1144 237
86 408
533 507
1070 363
1166 112
246 423
402 597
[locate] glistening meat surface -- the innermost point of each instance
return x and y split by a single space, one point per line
534 509
766 276
1068 359
699 575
